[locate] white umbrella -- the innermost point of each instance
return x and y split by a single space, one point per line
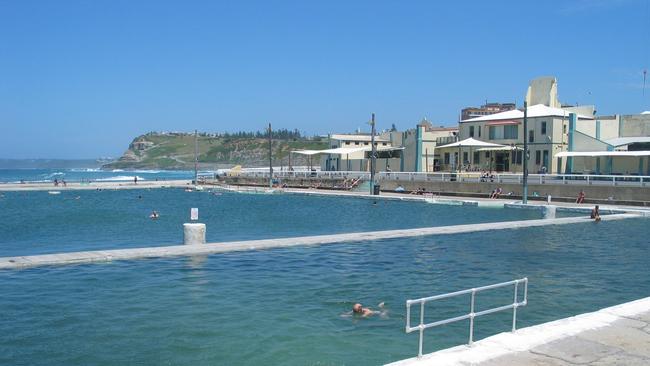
470 142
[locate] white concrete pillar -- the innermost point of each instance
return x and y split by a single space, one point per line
193 234
549 212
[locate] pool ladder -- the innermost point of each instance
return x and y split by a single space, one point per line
472 314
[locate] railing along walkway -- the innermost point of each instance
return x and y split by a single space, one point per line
471 314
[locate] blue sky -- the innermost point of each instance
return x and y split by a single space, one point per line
80 79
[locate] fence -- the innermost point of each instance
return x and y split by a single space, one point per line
467 177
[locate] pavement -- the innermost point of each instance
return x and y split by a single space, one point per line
75 186
505 200
618 335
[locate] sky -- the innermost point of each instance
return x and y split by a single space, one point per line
81 79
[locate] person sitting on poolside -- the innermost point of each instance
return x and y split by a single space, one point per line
581 197
595 214
496 193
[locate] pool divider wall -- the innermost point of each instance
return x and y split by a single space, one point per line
19 262
193 233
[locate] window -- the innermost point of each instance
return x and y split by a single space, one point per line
479 131
383 144
477 157
545 159
365 143
543 127
564 128
496 132
446 158
531 136
356 142
538 157
487 154
465 157
518 156
510 132
471 131
347 142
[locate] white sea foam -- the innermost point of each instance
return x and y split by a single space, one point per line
121 178
85 170
52 175
117 170
145 171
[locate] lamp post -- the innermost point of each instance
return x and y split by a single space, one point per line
524 199
373 156
270 157
196 157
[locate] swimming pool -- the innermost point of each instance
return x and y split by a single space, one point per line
284 306
37 222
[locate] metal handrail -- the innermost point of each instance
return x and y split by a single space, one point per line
469 177
471 315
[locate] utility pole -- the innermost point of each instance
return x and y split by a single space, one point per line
524 199
270 156
373 157
196 157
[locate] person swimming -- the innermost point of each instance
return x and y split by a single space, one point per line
154 215
358 309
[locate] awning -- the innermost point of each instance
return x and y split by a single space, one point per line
346 150
503 123
470 142
306 152
622 141
504 148
602 153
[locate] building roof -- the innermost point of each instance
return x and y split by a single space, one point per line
621 141
538 110
602 153
367 138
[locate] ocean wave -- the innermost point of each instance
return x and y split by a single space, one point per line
117 170
85 170
121 178
52 175
145 171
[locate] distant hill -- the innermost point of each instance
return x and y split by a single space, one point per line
176 151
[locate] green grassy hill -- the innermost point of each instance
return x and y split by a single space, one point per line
176 151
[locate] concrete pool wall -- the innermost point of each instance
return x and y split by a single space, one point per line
18 262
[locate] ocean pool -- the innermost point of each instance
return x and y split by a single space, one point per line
37 222
285 306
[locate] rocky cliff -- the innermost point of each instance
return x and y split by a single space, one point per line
176 151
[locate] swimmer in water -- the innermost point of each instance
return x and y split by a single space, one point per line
358 309
154 215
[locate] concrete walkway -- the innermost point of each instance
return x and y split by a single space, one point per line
205 249
618 335
74 186
504 200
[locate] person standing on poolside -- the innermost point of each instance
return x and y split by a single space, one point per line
581 197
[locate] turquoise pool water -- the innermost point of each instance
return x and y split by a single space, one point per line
37 222
285 306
